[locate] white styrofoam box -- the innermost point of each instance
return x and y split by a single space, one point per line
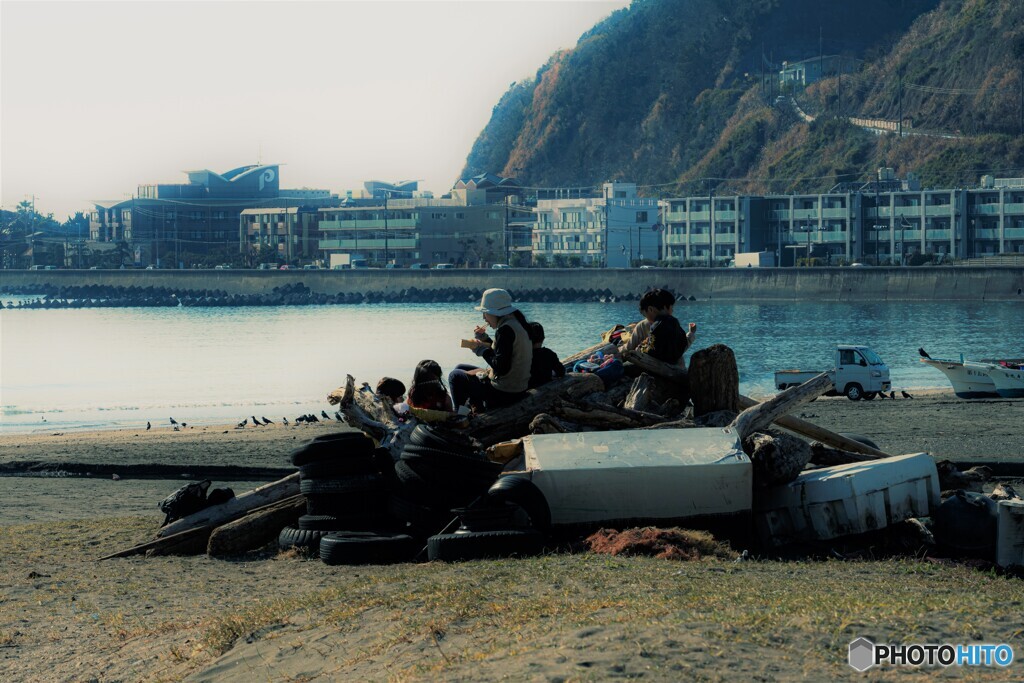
639 474
848 499
1010 533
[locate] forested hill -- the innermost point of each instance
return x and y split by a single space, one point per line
676 91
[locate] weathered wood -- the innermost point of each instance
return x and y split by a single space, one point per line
605 417
256 529
639 396
506 451
605 348
614 396
514 421
169 540
813 431
236 507
826 457
682 423
192 545
714 380
547 424
758 417
777 458
658 368
594 401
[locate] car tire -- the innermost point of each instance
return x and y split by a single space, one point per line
854 392
337 468
429 437
367 548
869 395
333 446
351 485
525 494
480 545
307 540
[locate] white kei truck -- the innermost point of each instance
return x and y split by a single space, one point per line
858 374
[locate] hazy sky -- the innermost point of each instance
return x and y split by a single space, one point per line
96 98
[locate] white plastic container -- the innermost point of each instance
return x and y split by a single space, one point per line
1010 533
639 474
847 499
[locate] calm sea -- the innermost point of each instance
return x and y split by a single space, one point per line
100 368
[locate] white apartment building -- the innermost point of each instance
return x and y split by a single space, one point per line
616 229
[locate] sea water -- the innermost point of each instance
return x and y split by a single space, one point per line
118 367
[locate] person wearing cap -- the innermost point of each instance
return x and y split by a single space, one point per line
509 357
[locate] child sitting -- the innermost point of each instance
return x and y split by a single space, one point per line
428 391
545 365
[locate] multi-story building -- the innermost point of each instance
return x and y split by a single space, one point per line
291 233
462 230
616 229
689 236
174 224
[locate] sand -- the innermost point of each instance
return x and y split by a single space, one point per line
65 617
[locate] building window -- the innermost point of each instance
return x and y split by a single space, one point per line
493 215
641 216
459 215
195 215
437 216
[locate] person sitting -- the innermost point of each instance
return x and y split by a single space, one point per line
509 357
391 389
545 365
659 333
427 390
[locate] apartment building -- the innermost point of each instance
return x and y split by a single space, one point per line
709 229
616 229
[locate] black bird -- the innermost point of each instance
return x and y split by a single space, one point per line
184 424
241 425
300 418
906 395
148 426
924 354
255 421
173 421
266 421
312 418
338 417
285 420
892 395
324 415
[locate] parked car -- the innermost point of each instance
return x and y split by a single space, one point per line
311 266
392 266
444 266
500 266
857 373
419 266
266 266
285 267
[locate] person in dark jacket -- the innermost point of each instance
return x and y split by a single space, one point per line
545 366
509 357
667 341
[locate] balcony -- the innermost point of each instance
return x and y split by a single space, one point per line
944 235
370 244
675 216
699 215
1014 233
836 213
725 215
779 214
675 239
985 233
938 210
805 214
700 239
908 210
832 236
1015 209
985 210
393 224
908 235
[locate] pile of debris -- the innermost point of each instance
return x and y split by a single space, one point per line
668 446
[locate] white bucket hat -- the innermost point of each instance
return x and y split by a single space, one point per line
496 302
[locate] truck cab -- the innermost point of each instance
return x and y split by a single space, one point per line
857 373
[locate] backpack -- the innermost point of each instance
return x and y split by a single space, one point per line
185 501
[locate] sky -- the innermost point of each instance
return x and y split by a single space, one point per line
97 98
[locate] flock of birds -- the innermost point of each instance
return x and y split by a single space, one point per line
263 421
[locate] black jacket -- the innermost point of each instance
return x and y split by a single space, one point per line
668 341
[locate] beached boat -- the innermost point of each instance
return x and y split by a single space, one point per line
968 382
1007 376
985 378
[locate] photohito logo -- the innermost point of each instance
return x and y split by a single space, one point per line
864 654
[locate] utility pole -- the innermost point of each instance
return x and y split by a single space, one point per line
386 195
505 232
606 233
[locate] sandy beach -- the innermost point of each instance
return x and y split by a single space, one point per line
562 617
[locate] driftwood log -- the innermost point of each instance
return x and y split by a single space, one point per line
364 410
758 417
605 348
714 380
196 535
236 507
256 529
548 424
813 431
508 423
653 366
586 413
776 458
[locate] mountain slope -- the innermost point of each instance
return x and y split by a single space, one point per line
670 91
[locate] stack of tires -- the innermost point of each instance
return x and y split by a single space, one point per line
346 518
438 472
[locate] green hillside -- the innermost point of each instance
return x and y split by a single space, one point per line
671 93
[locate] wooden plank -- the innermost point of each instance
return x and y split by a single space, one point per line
166 540
237 506
759 416
255 529
813 431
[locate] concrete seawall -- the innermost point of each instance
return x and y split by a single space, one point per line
747 284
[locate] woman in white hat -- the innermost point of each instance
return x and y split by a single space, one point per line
509 356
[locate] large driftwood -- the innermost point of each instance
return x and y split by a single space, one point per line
236 507
714 380
365 411
681 423
776 458
184 545
813 431
168 541
658 368
614 396
758 417
508 423
639 396
646 417
586 413
256 529
602 347
826 457
547 424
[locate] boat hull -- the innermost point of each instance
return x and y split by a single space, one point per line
1009 382
968 382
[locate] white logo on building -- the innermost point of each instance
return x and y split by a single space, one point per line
267 177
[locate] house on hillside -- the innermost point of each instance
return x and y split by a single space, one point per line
803 73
